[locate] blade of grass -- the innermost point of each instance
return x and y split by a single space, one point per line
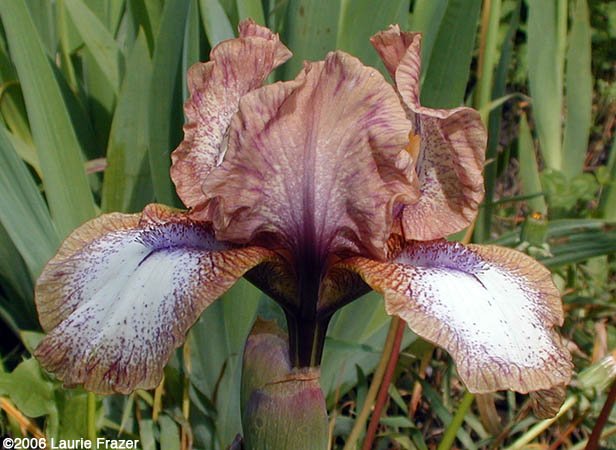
126 185
445 416
447 75
456 422
310 31
64 177
579 248
165 122
540 427
579 92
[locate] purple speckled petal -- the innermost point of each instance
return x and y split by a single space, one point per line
492 308
451 146
236 67
318 162
122 291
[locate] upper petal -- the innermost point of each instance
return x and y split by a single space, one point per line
236 67
452 146
493 309
122 291
318 161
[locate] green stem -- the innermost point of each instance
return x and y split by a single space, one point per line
91 419
456 423
360 422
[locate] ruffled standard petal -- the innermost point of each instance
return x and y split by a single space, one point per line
452 145
123 290
318 162
493 309
236 67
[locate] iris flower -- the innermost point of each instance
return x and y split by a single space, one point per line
315 189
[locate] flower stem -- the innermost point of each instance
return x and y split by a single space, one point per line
306 340
91 419
360 422
456 423
593 440
380 401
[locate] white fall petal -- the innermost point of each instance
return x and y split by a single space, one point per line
122 292
493 309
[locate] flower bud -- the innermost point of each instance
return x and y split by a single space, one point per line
282 407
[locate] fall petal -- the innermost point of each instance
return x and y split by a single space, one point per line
236 67
318 161
493 309
547 402
451 147
123 290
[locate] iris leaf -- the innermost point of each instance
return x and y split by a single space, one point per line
23 211
100 42
215 21
64 176
450 61
545 79
529 170
579 92
127 186
165 124
359 21
310 32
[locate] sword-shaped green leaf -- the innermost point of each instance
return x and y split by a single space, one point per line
64 176
165 126
99 41
359 20
450 61
545 74
127 185
215 21
579 92
310 32
252 9
23 212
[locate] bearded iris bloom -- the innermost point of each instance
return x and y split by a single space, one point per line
315 189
